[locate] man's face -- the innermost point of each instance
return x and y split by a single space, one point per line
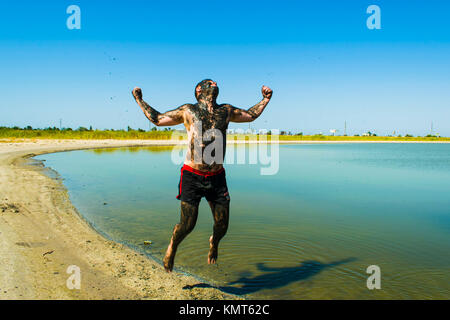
207 89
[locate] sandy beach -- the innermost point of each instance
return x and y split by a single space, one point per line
42 234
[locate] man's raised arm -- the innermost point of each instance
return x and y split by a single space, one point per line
240 115
169 118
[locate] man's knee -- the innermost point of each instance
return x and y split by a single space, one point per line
185 227
221 215
190 226
221 224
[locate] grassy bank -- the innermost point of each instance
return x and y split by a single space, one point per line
130 134
85 134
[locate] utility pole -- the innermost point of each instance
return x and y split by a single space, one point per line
60 122
345 127
431 132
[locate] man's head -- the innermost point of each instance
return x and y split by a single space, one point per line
206 90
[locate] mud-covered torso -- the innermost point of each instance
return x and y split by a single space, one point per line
206 130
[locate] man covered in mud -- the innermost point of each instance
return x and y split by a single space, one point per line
202 174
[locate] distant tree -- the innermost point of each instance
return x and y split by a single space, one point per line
300 134
409 136
154 129
28 128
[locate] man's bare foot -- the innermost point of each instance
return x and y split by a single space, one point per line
212 255
169 258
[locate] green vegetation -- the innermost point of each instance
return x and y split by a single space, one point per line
82 133
167 134
320 137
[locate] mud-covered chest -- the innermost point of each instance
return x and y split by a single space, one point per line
217 118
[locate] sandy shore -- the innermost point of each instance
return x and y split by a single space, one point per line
42 234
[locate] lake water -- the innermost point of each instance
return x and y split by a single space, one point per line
308 232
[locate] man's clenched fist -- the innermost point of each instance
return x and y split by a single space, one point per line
137 93
266 92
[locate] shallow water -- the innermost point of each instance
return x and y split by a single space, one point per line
308 232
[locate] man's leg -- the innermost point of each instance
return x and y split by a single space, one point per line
221 213
189 213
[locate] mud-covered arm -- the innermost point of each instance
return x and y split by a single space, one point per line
241 115
169 118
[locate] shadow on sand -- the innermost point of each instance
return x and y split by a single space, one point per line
274 277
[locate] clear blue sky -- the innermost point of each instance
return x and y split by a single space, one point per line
324 65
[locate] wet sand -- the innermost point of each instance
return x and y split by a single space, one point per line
42 234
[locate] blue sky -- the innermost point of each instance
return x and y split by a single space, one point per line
324 65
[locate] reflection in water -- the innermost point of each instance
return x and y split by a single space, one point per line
274 278
150 149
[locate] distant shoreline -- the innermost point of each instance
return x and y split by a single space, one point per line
142 142
82 133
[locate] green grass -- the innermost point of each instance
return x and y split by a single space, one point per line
83 133
14 133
